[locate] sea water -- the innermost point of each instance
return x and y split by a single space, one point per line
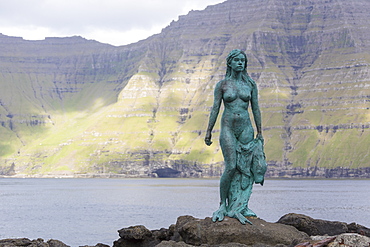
90 211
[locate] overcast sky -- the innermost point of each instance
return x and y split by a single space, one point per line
117 22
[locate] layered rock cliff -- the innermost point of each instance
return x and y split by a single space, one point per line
71 106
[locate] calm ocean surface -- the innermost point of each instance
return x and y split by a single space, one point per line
90 211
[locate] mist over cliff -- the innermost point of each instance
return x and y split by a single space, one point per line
76 106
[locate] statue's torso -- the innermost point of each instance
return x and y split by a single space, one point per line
236 96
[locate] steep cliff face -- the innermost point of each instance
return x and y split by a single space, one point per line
76 106
49 88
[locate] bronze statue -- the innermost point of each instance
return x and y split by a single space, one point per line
243 155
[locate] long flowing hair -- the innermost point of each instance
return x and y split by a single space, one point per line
245 76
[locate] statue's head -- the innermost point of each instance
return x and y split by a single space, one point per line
234 53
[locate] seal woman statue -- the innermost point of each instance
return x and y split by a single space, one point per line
243 155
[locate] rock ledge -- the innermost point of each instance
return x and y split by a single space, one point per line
190 231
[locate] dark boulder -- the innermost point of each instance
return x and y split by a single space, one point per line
349 240
356 228
190 231
18 242
56 243
97 245
261 233
140 236
172 243
315 227
135 233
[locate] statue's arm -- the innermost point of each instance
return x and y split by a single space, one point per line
214 113
256 111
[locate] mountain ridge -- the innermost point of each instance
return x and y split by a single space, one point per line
136 109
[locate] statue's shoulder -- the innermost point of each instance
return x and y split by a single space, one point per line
221 83
252 82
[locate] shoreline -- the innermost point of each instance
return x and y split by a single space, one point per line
119 176
290 230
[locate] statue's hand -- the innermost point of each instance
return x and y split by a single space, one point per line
259 136
208 138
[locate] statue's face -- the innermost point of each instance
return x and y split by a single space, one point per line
238 63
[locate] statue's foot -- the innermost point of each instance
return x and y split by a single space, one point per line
242 219
249 213
219 214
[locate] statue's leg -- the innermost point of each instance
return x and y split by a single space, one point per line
247 135
228 146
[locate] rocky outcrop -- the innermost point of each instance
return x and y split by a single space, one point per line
315 227
342 240
21 242
190 231
31 243
291 230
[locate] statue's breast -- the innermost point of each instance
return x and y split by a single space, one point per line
244 93
230 95
233 91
